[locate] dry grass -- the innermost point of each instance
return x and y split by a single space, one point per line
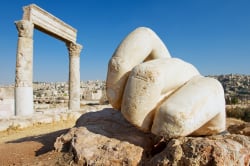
240 112
14 133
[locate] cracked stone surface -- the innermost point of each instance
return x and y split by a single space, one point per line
105 138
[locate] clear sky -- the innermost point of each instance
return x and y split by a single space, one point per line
213 35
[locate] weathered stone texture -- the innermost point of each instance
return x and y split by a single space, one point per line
106 138
24 61
164 95
24 69
35 17
48 23
74 75
25 28
139 46
74 49
217 150
149 84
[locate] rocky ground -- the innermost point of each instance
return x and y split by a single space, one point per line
105 138
34 145
30 140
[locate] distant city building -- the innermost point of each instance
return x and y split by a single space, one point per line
236 87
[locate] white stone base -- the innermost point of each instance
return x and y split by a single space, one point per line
24 101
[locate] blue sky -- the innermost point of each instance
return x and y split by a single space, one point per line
213 35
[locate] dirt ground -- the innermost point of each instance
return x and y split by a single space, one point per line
35 145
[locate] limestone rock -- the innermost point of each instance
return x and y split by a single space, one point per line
238 127
106 138
233 150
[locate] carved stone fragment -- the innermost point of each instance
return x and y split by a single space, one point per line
164 95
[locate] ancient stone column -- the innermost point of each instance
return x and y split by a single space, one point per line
24 69
74 75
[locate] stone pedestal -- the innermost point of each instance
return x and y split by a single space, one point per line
24 69
24 101
74 75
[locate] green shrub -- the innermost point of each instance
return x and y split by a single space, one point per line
232 100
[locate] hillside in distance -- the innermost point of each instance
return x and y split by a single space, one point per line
236 87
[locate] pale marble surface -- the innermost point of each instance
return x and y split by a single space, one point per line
164 95
149 84
191 107
24 101
139 46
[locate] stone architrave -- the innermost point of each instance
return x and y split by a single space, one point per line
24 69
35 17
74 75
49 24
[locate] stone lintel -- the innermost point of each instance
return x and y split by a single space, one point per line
49 24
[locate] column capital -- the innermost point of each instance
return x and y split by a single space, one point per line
25 28
74 49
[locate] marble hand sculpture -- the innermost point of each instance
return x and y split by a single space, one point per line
161 94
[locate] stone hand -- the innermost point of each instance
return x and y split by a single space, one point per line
164 95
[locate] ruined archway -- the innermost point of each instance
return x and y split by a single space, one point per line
35 17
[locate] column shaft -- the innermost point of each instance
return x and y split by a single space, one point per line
24 69
74 76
